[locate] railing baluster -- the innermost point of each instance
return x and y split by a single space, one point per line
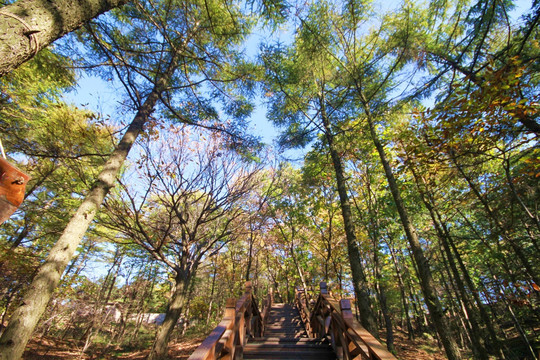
335 319
228 339
327 318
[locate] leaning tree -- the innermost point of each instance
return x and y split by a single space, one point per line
178 58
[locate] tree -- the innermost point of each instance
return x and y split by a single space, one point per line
25 318
202 46
190 206
30 25
53 141
307 98
323 211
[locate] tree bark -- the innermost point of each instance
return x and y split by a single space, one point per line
401 285
488 323
424 271
161 343
24 319
381 292
496 219
367 318
28 26
475 332
212 290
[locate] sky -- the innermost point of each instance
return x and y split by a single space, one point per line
104 97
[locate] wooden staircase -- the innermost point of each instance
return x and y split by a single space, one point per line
286 338
321 330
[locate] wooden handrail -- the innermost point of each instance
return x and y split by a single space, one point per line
242 319
334 319
302 304
266 308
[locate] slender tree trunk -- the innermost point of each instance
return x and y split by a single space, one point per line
297 266
160 346
460 322
424 270
420 315
494 216
405 302
102 300
494 341
374 224
367 319
84 253
250 254
140 306
214 275
28 26
515 195
475 333
382 300
24 319
517 324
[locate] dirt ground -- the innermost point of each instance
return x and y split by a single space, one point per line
51 349
420 348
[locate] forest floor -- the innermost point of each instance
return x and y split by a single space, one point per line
421 348
45 348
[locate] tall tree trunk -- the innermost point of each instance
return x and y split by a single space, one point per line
381 292
374 231
510 181
160 346
495 217
460 322
494 341
24 319
250 253
212 290
101 302
405 302
475 333
367 318
424 270
297 266
28 26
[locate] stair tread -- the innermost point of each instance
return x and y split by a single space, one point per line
290 355
285 338
276 346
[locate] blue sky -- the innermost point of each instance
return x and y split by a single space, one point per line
104 97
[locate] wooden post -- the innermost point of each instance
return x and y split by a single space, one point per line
229 343
346 312
230 308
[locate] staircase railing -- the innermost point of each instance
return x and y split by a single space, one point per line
303 305
266 309
242 319
334 319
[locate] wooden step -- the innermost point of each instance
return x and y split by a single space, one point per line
286 339
315 354
286 346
